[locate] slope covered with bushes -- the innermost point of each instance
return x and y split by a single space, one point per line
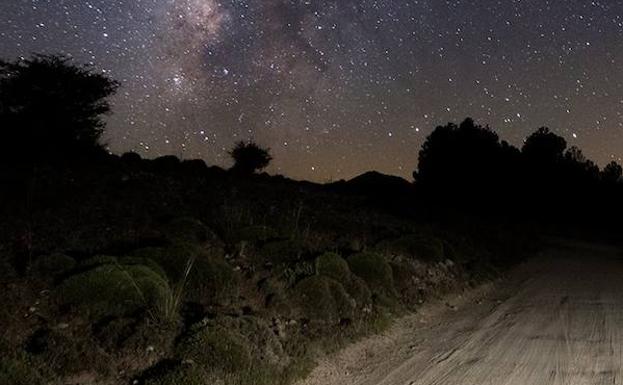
132 272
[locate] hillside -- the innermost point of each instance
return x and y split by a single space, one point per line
167 272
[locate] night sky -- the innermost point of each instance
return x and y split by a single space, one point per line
337 87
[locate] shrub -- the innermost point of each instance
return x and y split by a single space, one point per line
405 281
216 349
255 234
275 295
413 246
130 260
211 278
66 354
190 230
293 272
18 370
282 251
375 271
359 291
114 289
153 265
236 350
322 299
249 157
264 344
172 259
333 266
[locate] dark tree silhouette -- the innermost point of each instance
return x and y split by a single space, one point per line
543 146
51 109
612 172
582 168
465 169
465 165
451 149
575 155
249 158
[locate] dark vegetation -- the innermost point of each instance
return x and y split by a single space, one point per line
249 158
466 170
118 269
50 111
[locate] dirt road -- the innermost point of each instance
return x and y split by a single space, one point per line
557 319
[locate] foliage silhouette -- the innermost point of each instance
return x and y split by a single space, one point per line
456 167
51 109
467 168
249 158
544 146
612 172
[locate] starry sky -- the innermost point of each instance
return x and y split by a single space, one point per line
337 87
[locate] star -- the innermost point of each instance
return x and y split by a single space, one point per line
343 83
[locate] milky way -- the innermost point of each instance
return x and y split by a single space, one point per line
337 87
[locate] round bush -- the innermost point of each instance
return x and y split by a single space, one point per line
323 299
153 265
114 289
213 280
375 271
210 279
216 349
333 266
